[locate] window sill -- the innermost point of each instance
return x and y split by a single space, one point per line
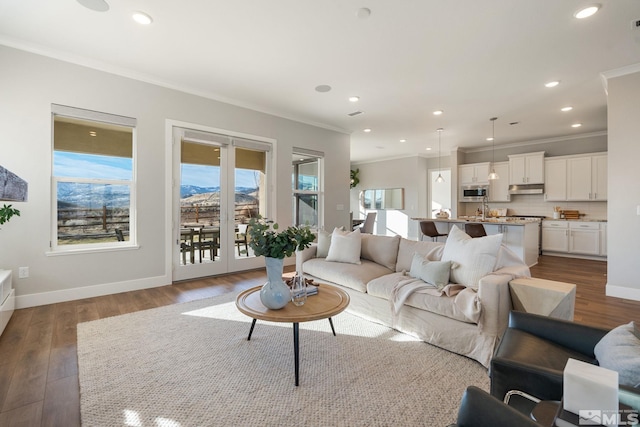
61 252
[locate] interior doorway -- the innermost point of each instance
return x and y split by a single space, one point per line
440 192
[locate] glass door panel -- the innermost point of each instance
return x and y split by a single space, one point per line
199 227
250 185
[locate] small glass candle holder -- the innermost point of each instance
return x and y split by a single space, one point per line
298 290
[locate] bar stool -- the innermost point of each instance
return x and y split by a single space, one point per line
475 230
428 228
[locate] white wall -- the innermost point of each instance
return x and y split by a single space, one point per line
623 228
30 83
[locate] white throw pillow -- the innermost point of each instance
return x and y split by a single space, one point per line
476 257
345 246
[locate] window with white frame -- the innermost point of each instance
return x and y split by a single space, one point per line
93 184
307 187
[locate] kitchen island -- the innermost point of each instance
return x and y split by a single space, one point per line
522 236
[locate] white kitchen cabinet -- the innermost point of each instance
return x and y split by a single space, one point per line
584 238
7 298
587 178
522 239
473 173
555 179
555 236
574 237
526 168
499 188
599 170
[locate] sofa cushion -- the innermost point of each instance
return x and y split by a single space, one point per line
382 287
476 257
619 350
406 249
345 246
433 272
348 275
382 250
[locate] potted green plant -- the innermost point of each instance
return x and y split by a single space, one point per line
6 212
265 240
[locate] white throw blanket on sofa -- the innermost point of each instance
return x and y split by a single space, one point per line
465 298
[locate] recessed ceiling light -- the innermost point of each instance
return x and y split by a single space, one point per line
552 83
438 112
354 98
428 148
323 88
586 12
97 5
403 140
576 125
142 18
92 133
490 138
566 109
366 130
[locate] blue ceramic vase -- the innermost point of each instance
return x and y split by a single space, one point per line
275 294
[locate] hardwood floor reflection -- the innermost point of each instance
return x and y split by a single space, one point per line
38 359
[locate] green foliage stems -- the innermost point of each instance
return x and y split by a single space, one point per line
266 241
6 212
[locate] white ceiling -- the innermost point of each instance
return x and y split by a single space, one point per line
474 59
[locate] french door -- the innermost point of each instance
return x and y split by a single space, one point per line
221 181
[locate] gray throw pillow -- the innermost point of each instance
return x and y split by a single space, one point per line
433 272
324 241
619 350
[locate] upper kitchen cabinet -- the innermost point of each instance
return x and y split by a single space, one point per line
587 178
473 173
499 188
555 178
526 168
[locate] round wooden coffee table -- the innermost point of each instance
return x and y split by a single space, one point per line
329 301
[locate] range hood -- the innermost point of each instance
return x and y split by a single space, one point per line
526 189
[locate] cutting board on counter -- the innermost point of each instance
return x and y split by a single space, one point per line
569 214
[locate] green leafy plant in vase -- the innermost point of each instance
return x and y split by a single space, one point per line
266 240
7 212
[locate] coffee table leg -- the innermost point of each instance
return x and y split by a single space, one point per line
251 330
332 329
296 349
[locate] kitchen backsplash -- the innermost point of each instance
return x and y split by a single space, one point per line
534 204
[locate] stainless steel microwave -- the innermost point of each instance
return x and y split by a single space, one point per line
473 193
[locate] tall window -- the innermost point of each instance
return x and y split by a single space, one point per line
307 187
93 179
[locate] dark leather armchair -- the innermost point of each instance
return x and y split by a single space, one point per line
479 409
534 351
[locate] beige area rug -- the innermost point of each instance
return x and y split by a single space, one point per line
191 365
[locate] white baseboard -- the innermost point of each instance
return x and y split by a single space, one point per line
33 300
622 292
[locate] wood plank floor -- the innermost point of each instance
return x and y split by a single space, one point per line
38 360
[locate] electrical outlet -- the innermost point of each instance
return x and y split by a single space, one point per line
23 272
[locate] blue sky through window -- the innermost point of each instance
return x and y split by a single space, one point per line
93 166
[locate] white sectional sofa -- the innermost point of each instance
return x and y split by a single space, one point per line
465 319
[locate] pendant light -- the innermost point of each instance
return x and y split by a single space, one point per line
439 179
493 175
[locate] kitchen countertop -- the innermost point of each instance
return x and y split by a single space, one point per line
500 220
577 220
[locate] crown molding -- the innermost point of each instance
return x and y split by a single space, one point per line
617 72
535 142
